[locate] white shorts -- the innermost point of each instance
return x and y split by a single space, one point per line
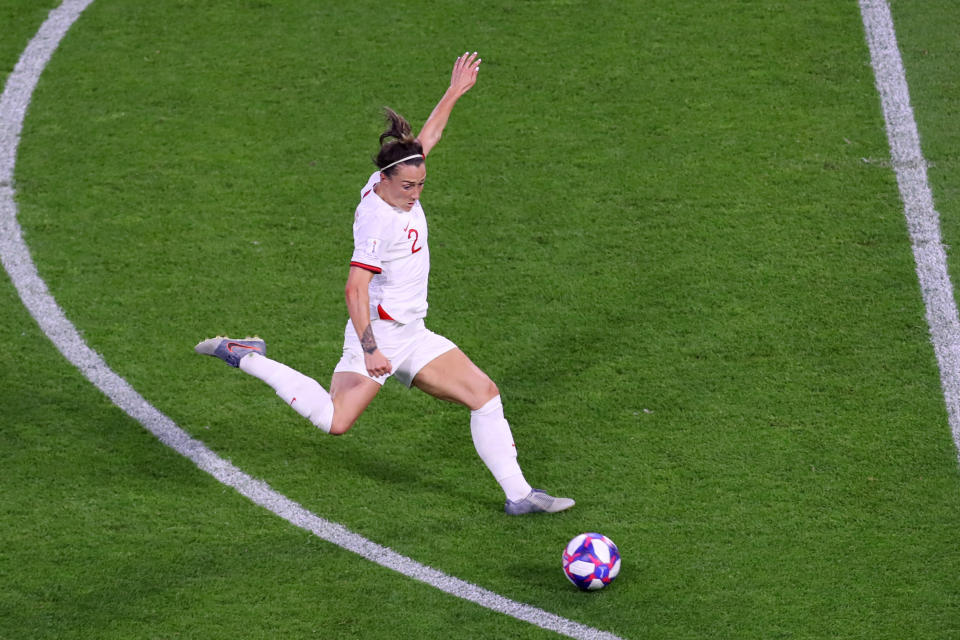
408 347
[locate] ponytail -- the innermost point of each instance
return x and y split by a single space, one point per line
396 144
398 128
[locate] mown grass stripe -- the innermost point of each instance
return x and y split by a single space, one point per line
15 256
923 221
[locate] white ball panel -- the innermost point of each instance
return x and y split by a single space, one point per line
574 544
602 551
580 568
615 570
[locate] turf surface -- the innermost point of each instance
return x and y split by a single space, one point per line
669 232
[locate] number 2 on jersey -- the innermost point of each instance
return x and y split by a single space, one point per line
413 233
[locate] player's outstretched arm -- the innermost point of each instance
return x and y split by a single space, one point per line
463 76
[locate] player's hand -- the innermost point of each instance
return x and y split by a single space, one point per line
464 74
377 363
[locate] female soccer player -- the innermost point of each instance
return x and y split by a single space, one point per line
386 296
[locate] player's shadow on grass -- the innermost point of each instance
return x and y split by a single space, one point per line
414 475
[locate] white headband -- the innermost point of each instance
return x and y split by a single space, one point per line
416 155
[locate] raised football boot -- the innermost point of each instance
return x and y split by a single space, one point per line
231 351
537 501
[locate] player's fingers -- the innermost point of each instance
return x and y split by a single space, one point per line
467 60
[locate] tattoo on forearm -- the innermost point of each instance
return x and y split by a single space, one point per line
367 340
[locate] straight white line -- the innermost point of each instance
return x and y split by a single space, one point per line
923 221
36 297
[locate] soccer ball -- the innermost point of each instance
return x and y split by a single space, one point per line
591 561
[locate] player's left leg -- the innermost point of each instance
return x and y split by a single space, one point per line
454 377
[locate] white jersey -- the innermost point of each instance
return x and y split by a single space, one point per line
392 243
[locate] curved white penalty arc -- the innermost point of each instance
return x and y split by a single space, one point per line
33 291
923 221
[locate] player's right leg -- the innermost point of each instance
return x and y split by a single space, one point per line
301 392
351 393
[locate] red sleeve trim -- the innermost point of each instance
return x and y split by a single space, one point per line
366 266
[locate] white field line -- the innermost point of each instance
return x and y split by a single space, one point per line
36 297
923 222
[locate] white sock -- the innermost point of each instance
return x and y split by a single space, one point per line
494 442
301 392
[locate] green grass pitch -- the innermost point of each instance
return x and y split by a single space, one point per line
668 230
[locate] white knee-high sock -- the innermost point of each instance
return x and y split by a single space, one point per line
301 392
494 442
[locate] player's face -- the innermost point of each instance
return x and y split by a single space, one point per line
402 189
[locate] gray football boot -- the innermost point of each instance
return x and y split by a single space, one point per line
537 501
231 351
